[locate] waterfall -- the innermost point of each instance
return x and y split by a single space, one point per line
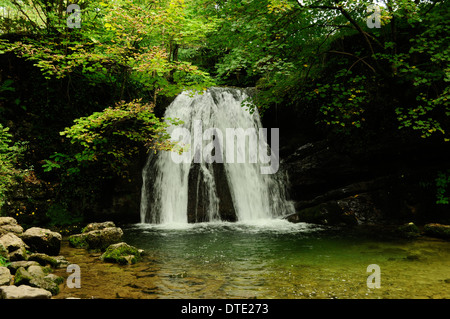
211 181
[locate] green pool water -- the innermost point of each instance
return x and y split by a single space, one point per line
267 259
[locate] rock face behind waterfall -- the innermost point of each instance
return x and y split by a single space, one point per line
334 183
197 191
197 195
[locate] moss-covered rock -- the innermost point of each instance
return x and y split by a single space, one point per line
22 277
3 252
97 226
409 230
437 230
13 266
121 253
37 276
78 241
96 239
44 259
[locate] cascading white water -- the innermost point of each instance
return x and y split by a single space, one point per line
196 190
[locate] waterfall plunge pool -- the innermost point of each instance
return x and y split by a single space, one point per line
265 259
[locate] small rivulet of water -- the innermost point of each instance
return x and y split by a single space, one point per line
211 180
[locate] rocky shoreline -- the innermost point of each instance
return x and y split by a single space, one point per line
29 258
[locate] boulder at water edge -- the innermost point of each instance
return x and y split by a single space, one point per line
9 225
97 236
43 240
13 246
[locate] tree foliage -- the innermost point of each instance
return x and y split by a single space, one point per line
10 153
112 137
318 57
323 52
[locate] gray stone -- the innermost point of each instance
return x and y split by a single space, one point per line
43 240
18 254
24 292
98 239
5 276
9 225
11 242
46 283
14 246
97 226
35 276
61 262
13 266
44 259
16 229
56 279
7 221
22 277
36 271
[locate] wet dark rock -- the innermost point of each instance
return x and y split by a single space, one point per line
409 230
198 195
437 230
374 183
